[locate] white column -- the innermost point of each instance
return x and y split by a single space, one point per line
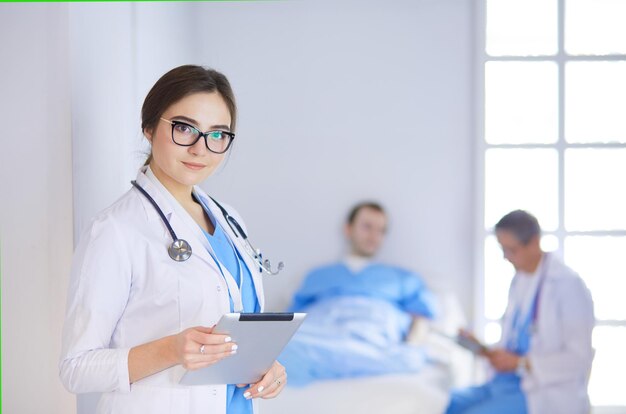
35 204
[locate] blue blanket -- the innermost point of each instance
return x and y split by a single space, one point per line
356 324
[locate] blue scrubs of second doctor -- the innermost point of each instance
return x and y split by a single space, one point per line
136 319
503 394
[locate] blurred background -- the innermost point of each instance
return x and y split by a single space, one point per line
449 112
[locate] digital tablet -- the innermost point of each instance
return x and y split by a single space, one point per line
468 343
260 337
471 344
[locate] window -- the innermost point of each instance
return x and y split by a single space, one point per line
552 87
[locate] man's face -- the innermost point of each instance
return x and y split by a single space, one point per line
367 231
520 255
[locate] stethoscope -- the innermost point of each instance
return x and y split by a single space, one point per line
180 250
533 314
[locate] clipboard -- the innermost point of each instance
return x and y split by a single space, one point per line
260 336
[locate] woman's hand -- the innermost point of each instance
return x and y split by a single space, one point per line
270 385
199 347
193 348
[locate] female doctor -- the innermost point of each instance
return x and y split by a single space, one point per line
138 317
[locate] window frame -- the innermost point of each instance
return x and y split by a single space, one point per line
561 58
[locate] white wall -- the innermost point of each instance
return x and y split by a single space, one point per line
117 52
103 108
343 101
36 204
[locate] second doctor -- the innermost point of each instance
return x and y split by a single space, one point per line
140 315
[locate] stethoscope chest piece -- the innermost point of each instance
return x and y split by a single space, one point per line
179 250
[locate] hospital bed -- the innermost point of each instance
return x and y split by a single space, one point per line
425 392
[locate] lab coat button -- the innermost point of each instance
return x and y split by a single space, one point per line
219 288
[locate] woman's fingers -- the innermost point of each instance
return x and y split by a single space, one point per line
270 390
201 347
270 385
275 389
207 338
197 361
205 329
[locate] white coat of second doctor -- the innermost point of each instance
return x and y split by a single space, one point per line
560 351
125 290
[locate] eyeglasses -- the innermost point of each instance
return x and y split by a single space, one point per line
186 135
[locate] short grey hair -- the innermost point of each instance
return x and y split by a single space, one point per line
523 225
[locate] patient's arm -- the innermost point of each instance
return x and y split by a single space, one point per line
305 295
418 330
314 287
417 298
300 302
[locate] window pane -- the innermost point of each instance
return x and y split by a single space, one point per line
549 243
498 275
521 104
595 27
606 386
525 179
595 193
595 101
601 262
493 333
521 27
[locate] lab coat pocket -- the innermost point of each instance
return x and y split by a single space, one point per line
146 399
203 294
157 294
161 280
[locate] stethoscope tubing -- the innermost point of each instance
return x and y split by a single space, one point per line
157 208
179 250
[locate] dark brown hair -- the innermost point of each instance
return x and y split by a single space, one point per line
366 204
179 83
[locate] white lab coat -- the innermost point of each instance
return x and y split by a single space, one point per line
125 291
560 353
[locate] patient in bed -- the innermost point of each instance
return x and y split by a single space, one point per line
359 311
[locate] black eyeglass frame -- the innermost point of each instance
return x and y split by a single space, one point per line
201 134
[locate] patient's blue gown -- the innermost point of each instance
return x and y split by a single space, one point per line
356 323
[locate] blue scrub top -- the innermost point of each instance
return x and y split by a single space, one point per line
231 260
521 328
